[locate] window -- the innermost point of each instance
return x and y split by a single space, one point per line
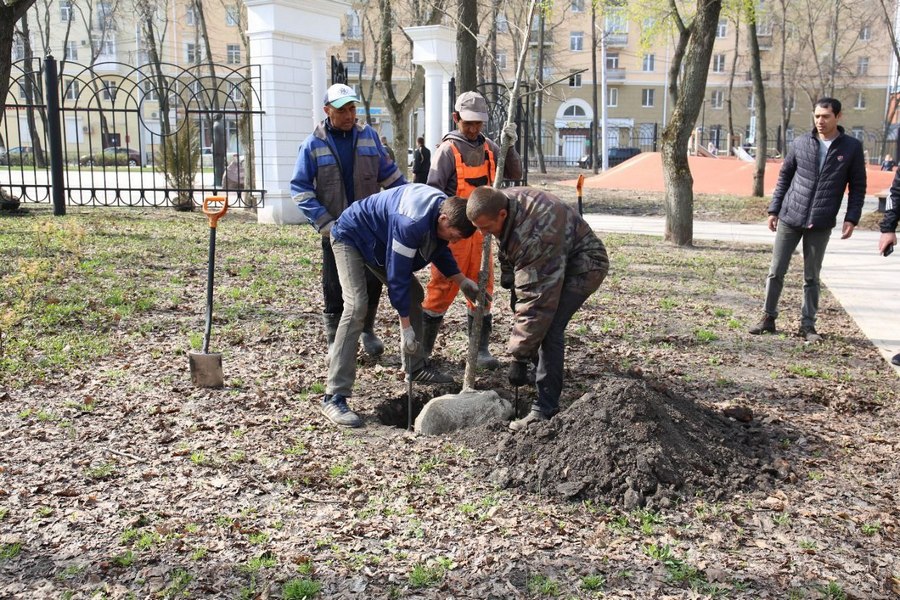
109 90
191 16
577 6
18 49
612 60
612 97
104 15
501 60
860 101
647 98
66 12
722 28
71 51
235 92
576 41
862 65
502 24
72 89
859 133
104 47
233 54
23 92
617 21
764 25
191 53
648 64
717 99
648 23
575 80
865 34
354 55
718 65
232 17
792 103
149 88
574 111
751 100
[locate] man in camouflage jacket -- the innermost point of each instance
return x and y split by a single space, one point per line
556 262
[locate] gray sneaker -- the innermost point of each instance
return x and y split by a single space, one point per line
336 410
535 416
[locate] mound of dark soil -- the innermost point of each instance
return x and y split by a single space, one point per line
626 443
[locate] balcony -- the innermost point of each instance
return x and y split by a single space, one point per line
353 33
355 69
615 75
616 39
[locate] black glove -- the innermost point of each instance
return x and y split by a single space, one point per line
518 373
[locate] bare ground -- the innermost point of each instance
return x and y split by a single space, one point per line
691 460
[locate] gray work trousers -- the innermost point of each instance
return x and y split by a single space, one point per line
352 273
786 240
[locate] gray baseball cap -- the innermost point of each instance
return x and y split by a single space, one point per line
472 106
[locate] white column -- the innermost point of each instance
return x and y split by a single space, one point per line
293 71
434 47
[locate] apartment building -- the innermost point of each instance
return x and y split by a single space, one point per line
853 62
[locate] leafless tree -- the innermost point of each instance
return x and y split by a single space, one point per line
759 102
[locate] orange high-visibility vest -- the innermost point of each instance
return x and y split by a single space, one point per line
468 178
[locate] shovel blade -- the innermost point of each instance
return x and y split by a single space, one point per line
206 369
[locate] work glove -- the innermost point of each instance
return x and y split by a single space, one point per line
325 230
470 289
518 373
509 134
410 344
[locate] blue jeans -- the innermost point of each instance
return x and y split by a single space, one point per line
353 273
552 351
787 239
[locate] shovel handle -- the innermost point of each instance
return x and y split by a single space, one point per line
214 215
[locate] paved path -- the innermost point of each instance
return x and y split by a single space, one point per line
865 283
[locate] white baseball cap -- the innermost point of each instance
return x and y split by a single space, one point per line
339 94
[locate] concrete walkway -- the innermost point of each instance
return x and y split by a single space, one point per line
865 283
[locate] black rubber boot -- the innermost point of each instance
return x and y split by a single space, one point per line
331 321
485 360
371 342
430 327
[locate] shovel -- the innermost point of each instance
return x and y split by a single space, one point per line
206 368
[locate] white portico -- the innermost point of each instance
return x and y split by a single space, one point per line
289 40
434 47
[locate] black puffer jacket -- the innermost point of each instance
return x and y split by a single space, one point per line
806 198
892 212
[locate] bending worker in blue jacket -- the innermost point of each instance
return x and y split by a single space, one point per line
341 161
818 168
391 234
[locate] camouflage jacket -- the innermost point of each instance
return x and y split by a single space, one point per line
551 250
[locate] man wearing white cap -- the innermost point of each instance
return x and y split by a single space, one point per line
340 162
465 160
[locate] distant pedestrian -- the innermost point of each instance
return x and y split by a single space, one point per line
421 161
818 168
387 147
888 238
888 163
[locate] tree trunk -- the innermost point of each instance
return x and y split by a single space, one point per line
759 99
467 46
539 112
698 40
33 88
10 13
729 144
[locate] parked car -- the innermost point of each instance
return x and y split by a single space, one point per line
17 155
112 156
616 157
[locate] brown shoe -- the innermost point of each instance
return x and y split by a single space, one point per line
766 325
535 416
809 333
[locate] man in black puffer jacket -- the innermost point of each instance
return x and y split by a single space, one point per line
818 168
888 238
